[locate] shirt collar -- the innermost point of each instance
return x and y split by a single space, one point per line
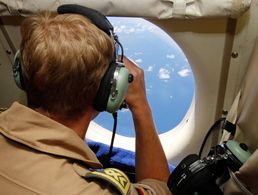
37 131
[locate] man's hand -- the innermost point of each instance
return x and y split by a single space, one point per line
136 96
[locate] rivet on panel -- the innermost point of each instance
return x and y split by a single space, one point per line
234 54
8 51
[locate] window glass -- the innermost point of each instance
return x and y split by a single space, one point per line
168 76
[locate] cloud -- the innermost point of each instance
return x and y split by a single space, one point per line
138 61
184 72
150 69
151 28
127 29
164 74
130 30
170 56
149 89
124 110
132 25
119 29
138 53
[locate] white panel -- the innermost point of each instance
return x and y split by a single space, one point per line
140 8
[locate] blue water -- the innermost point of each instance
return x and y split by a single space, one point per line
168 76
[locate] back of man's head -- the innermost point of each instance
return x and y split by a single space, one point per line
63 60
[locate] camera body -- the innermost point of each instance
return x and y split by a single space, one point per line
204 176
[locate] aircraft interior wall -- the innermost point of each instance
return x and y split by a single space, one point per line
208 44
203 42
219 51
10 39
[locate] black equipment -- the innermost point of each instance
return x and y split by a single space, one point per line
204 176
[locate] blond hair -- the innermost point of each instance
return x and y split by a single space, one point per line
63 59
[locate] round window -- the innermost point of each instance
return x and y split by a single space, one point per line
168 76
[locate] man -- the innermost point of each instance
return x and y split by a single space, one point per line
42 149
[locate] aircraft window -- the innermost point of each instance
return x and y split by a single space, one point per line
168 76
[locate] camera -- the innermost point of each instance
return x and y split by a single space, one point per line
205 176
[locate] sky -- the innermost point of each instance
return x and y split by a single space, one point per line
169 79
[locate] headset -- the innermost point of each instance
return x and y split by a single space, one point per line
114 84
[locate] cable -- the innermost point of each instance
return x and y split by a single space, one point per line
208 134
122 50
112 139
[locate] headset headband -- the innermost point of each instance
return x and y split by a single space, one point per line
96 18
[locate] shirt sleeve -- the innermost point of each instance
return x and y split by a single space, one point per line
150 187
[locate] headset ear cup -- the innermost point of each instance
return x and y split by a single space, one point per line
112 89
238 154
101 99
17 71
119 90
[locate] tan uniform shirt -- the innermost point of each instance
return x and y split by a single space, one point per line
40 156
